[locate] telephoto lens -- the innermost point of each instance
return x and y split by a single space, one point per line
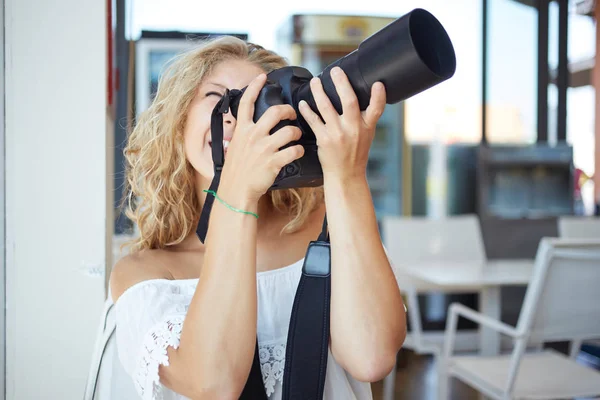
410 55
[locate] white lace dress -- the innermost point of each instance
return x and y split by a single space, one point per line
150 315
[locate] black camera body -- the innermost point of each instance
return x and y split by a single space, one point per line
410 55
284 86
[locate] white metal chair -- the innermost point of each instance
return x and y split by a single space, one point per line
411 240
561 304
107 380
570 226
579 227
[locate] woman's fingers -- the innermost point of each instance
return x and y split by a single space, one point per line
273 116
326 109
350 107
284 136
376 104
312 119
286 156
246 109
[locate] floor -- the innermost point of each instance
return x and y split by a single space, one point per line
416 377
416 380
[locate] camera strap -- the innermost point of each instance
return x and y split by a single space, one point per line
308 333
218 156
307 347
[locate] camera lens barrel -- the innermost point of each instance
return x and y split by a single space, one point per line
409 56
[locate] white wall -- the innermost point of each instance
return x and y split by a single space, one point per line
2 217
55 192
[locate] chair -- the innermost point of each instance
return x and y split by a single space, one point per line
579 227
561 304
411 240
570 226
107 380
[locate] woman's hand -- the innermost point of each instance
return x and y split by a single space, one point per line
343 140
253 157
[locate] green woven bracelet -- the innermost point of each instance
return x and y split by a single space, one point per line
228 206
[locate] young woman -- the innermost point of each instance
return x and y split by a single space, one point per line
188 313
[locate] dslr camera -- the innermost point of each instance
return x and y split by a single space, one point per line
410 55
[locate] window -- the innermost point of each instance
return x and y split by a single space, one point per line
512 73
451 111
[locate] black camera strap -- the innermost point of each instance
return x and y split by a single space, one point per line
218 156
308 334
307 346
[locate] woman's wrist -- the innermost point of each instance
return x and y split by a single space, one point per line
237 199
345 183
343 178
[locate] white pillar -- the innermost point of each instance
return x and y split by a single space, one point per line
56 193
2 214
596 82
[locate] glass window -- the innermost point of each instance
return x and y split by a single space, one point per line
580 96
581 101
451 111
512 73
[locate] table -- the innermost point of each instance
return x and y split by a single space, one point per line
487 278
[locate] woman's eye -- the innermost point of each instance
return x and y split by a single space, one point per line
214 94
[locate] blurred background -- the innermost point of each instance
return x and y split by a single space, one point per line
504 151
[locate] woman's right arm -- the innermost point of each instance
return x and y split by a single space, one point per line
211 359
219 333
218 337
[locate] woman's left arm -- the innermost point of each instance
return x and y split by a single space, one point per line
368 323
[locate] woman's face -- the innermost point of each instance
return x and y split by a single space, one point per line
231 74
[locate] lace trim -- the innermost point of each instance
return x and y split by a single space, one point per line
154 354
272 364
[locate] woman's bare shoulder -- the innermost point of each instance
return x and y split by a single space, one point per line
135 268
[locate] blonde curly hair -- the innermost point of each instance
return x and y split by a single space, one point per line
159 195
